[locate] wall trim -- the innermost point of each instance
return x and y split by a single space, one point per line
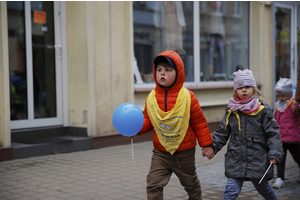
6 154
116 139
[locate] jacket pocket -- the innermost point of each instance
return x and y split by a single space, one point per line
232 155
259 142
233 164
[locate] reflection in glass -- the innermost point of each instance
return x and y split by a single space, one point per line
160 26
224 33
43 59
283 31
17 60
168 25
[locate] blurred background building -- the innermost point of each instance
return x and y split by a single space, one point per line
65 66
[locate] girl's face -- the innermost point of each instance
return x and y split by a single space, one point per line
283 98
165 76
244 92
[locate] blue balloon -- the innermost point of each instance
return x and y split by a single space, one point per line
128 119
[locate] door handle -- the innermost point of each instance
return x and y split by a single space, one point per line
53 46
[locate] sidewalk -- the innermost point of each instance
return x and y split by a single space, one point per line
113 173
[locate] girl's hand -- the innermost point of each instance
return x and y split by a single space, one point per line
274 161
208 152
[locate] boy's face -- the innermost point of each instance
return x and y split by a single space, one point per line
165 75
283 98
245 92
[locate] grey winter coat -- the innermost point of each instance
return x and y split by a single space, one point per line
249 152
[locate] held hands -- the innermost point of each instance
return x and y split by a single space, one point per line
208 152
295 107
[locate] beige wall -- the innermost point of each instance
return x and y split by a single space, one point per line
77 62
213 102
262 48
99 62
4 80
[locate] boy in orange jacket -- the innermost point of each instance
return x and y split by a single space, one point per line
178 121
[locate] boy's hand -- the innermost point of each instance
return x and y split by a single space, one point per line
274 161
208 152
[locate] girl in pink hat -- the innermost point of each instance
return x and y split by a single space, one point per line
254 139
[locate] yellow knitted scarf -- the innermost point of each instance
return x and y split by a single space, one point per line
261 107
170 126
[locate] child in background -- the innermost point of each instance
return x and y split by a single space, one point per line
289 126
176 116
254 138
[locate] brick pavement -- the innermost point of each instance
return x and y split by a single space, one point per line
111 173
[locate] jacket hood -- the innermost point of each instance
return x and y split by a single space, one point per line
175 61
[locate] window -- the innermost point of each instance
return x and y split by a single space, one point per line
283 42
212 38
224 39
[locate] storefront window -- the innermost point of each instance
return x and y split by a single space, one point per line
222 29
224 39
283 42
159 26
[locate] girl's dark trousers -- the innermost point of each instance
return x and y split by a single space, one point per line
295 152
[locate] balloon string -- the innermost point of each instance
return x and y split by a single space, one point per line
132 149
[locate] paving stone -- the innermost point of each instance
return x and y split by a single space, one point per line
111 174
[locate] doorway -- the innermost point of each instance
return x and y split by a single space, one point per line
286 28
36 64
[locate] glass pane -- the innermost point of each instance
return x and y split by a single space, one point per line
283 42
17 60
224 39
160 26
43 59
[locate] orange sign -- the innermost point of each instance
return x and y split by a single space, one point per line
39 17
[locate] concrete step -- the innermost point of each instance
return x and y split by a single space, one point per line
51 145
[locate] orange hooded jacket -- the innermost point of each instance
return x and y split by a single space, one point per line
166 99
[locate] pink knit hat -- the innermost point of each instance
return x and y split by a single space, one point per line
243 78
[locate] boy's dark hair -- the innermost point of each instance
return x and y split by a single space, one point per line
164 61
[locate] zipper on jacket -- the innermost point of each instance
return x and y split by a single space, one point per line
166 95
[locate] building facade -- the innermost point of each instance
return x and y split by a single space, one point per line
66 66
